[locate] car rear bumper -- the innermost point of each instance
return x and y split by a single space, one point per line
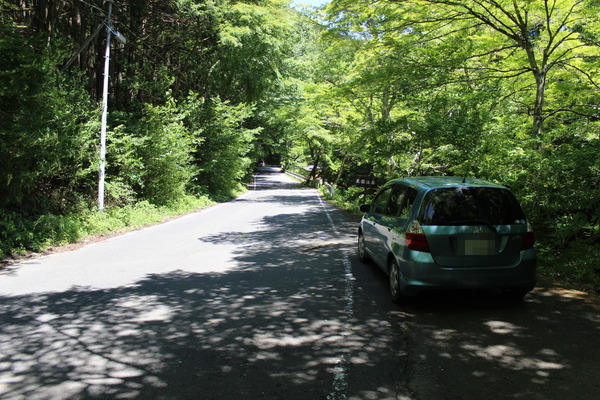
421 273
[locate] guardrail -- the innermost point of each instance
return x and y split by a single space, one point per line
330 188
296 175
320 182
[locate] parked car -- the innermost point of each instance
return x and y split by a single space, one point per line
436 233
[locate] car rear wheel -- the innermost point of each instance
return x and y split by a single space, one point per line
515 295
395 289
362 252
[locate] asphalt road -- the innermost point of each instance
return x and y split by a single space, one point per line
264 297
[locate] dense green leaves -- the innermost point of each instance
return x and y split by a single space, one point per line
46 130
223 158
150 157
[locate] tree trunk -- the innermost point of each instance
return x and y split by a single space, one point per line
341 171
538 109
313 174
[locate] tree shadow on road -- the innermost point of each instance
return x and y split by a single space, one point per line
286 321
476 345
278 325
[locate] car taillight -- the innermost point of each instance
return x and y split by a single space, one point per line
416 239
529 240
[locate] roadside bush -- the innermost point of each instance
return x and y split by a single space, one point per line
141 214
149 157
51 230
47 130
20 233
224 144
350 198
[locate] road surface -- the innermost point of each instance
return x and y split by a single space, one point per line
264 297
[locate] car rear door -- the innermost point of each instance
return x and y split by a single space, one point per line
473 227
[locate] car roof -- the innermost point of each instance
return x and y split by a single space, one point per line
436 182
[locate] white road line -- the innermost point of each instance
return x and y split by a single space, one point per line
340 380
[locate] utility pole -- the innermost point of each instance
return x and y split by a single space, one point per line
122 39
104 110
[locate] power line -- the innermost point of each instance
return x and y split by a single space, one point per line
93 6
82 47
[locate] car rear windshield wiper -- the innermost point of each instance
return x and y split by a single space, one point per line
474 222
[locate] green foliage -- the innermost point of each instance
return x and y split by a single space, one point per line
152 156
164 142
22 233
46 127
222 158
578 264
121 218
140 214
252 44
350 198
500 90
19 233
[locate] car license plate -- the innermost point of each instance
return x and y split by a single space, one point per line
477 245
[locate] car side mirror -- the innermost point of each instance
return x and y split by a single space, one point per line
365 208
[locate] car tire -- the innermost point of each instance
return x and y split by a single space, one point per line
515 295
362 251
394 278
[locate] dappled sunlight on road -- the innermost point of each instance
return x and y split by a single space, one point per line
269 319
526 350
167 335
278 307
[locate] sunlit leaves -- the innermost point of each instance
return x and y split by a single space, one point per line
501 89
523 42
252 45
222 158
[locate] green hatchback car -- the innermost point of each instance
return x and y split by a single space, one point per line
436 233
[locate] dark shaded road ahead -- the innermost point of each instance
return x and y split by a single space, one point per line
264 298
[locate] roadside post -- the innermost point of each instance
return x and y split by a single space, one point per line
102 167
368 182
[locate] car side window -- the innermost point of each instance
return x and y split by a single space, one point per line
408 198
379 205
395 201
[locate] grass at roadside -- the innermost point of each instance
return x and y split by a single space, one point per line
21 235
577 265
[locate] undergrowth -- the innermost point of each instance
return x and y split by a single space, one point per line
22 234
576 264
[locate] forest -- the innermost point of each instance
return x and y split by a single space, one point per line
202 90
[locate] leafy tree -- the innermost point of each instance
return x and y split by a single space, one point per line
46 128
472 76
535 45
222 158
252 42
150 157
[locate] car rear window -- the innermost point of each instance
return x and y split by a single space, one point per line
465 205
